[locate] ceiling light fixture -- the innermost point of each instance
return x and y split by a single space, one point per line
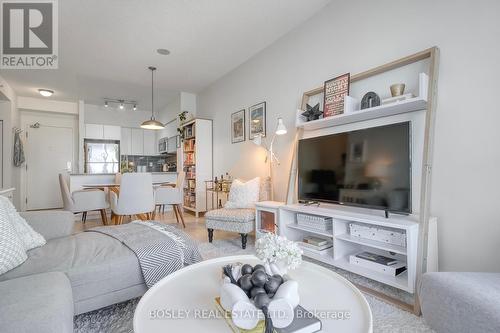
152 123
163 51
46 92
120 103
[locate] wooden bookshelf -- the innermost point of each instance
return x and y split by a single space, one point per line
197 160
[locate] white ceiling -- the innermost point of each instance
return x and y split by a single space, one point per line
105 47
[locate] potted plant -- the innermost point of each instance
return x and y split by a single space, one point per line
183 117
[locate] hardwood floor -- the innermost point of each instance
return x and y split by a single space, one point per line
195 227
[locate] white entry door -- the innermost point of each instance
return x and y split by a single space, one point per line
49 152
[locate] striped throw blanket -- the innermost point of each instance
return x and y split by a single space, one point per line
161 249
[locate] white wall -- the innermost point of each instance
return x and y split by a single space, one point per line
10 117
357 35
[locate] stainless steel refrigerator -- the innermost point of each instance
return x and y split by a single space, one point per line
102 156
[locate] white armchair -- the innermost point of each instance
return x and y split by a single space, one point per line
83 201
136 197
167 195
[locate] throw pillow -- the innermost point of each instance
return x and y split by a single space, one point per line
243 195
12 252
28 236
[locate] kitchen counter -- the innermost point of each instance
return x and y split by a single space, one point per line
77 180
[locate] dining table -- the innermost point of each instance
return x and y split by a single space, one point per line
115 187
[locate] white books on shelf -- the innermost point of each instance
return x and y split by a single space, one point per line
317 248
392 270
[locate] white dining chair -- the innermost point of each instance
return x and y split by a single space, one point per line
83 201
118 178
136 197
168 195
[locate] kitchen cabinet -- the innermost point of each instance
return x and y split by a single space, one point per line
111 132
172 145
150 146
137 145
126 141
94 131
102 132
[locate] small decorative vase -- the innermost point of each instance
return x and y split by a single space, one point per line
397 89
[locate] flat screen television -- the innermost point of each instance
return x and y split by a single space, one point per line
367 168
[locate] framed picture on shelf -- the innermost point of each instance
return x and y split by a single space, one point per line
335 91
257 120
238 126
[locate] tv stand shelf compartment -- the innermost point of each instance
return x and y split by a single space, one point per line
345 245
310 230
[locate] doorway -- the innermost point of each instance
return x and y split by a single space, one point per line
50 150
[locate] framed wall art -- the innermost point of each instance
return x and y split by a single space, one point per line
335 91
238 126
257 120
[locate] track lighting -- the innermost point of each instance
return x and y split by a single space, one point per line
121 104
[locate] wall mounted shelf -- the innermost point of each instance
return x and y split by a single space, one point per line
352 114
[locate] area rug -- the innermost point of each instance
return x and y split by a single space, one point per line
386 317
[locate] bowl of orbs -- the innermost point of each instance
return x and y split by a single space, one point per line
253 293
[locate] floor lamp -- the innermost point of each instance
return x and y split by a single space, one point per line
271 156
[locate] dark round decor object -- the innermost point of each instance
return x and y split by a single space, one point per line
279 277
246 269
261 300
272 285
257 290
259 268
259 278
245 282
370 100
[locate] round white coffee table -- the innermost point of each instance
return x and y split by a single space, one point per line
184 300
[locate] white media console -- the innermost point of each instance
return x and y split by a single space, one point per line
345 245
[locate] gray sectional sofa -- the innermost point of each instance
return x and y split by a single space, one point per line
461 302
71 274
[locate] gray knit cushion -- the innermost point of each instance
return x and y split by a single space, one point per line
12 251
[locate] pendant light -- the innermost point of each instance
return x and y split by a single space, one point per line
152 123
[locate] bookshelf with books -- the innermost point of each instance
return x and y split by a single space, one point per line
197 163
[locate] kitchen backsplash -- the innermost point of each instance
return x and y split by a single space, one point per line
134 163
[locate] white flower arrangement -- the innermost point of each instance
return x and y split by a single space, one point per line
272 248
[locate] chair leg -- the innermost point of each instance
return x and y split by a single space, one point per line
163 209
174 208
104 217
181 214
244 241
210 235
84 217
